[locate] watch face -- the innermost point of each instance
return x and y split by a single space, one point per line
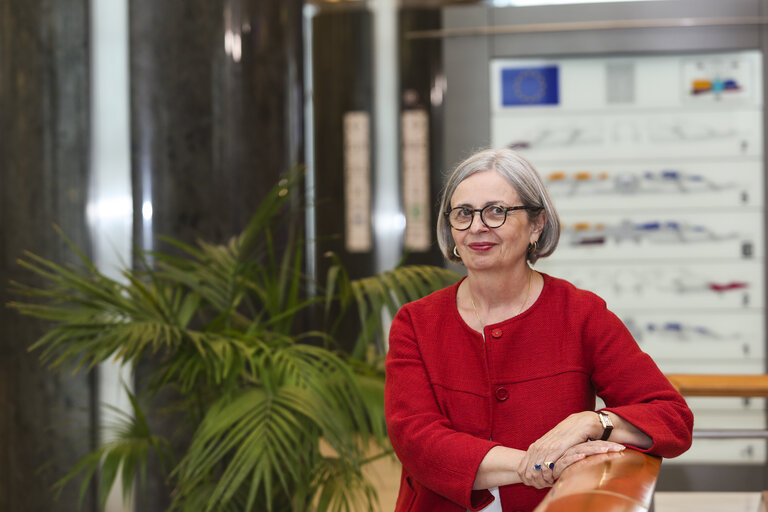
607 424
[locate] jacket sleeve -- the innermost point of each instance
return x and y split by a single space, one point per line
432 452
633 387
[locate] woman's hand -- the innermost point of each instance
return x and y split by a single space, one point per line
578 452
546 476
573 430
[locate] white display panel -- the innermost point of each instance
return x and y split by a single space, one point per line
703 287
655 164
731 339
656 235
564 136
667 184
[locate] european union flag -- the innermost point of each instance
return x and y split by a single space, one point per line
530 86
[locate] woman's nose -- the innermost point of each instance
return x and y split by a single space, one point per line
478 224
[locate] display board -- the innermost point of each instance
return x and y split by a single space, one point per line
655 164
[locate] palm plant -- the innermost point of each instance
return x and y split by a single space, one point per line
223 325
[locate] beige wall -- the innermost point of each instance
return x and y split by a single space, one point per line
385 476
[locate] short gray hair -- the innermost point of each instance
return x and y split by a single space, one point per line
526 181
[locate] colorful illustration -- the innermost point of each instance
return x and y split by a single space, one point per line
715 86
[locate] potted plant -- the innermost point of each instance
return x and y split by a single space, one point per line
223 325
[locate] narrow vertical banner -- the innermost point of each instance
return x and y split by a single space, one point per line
357 181
416 201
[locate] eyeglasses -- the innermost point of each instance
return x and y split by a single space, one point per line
493 215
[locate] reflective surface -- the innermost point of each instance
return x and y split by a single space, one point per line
622 481
216 113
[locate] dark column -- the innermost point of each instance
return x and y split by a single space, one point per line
422 85
47 418
216 114
216 109
342 61
342 68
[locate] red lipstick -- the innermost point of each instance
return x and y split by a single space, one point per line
481 246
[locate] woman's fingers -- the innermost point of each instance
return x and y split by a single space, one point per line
538 474
571 431
539 456
593 447
535 474
536 478
580 451
565 461
538 468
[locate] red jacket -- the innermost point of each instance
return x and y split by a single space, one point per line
448 393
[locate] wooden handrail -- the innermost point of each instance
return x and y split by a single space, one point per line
720 385
615 482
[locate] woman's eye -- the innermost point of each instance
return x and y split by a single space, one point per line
465 212
497 210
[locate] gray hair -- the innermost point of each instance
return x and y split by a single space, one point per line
526 181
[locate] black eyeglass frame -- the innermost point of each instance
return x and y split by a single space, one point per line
507 209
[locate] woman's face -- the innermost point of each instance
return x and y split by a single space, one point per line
499 248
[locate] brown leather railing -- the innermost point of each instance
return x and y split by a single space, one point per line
743 386
721 385
615 482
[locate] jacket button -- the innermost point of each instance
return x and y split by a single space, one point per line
496 333
502 394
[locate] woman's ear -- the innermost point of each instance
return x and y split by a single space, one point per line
539 223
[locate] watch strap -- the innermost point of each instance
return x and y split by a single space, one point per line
607 424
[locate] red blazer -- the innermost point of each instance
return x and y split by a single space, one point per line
448 393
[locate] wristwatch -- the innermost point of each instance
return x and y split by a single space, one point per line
607 424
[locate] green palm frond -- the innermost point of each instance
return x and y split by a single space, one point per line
211 272
97 317
197 498
206 358
306 394
372 390
125 455
342 489
383 294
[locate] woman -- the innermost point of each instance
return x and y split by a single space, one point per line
491 382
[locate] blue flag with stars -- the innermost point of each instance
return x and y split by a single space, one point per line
530 86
